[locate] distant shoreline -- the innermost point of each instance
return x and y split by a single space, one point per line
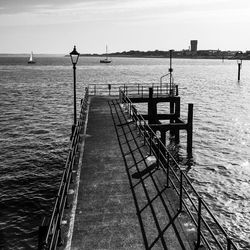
164 57
27 55
113 55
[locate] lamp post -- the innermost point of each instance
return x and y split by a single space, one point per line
170 72
74 55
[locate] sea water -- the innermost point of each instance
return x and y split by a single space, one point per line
36 104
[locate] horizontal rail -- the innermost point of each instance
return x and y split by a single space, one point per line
209 231
51 237
133 89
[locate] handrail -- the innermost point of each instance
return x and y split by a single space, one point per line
51 237
189 198
133 89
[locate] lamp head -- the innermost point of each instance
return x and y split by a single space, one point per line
74 55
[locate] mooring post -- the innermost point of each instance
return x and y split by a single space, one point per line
176 90
239 68
239 62
152 108
190 130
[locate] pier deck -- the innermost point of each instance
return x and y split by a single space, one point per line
106 216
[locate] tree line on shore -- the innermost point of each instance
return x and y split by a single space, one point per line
213 54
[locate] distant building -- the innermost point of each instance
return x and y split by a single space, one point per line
194 44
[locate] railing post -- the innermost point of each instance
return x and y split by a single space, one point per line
67 205
60 239
158 151
181 183
138 120
42 232
168 166
150 143
229 244
199 225
145 132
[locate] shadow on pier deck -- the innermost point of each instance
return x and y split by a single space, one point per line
105 216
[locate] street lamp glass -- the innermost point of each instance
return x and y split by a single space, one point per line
239 61
74 55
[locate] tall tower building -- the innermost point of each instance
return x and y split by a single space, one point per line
194 44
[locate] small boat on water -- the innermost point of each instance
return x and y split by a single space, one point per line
31 60
106 60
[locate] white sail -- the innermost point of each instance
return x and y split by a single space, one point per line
31 58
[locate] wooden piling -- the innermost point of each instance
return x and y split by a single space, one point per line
190 130
152 108
239 68
176 90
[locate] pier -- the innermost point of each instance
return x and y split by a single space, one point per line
121 187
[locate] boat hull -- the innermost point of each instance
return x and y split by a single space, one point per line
105 61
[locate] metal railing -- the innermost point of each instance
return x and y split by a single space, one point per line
50 231
135 89
209 231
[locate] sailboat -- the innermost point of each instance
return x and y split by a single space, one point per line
31 60
106 60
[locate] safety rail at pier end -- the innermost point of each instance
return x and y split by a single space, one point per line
209 231
50 231
135 89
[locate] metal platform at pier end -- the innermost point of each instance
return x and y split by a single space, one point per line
122 189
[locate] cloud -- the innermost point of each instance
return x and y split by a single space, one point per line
30 6
64 11
169 6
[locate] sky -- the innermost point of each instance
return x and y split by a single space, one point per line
55 26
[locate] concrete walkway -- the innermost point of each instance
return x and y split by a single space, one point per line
105 215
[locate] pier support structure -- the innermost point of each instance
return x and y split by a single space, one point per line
175 123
